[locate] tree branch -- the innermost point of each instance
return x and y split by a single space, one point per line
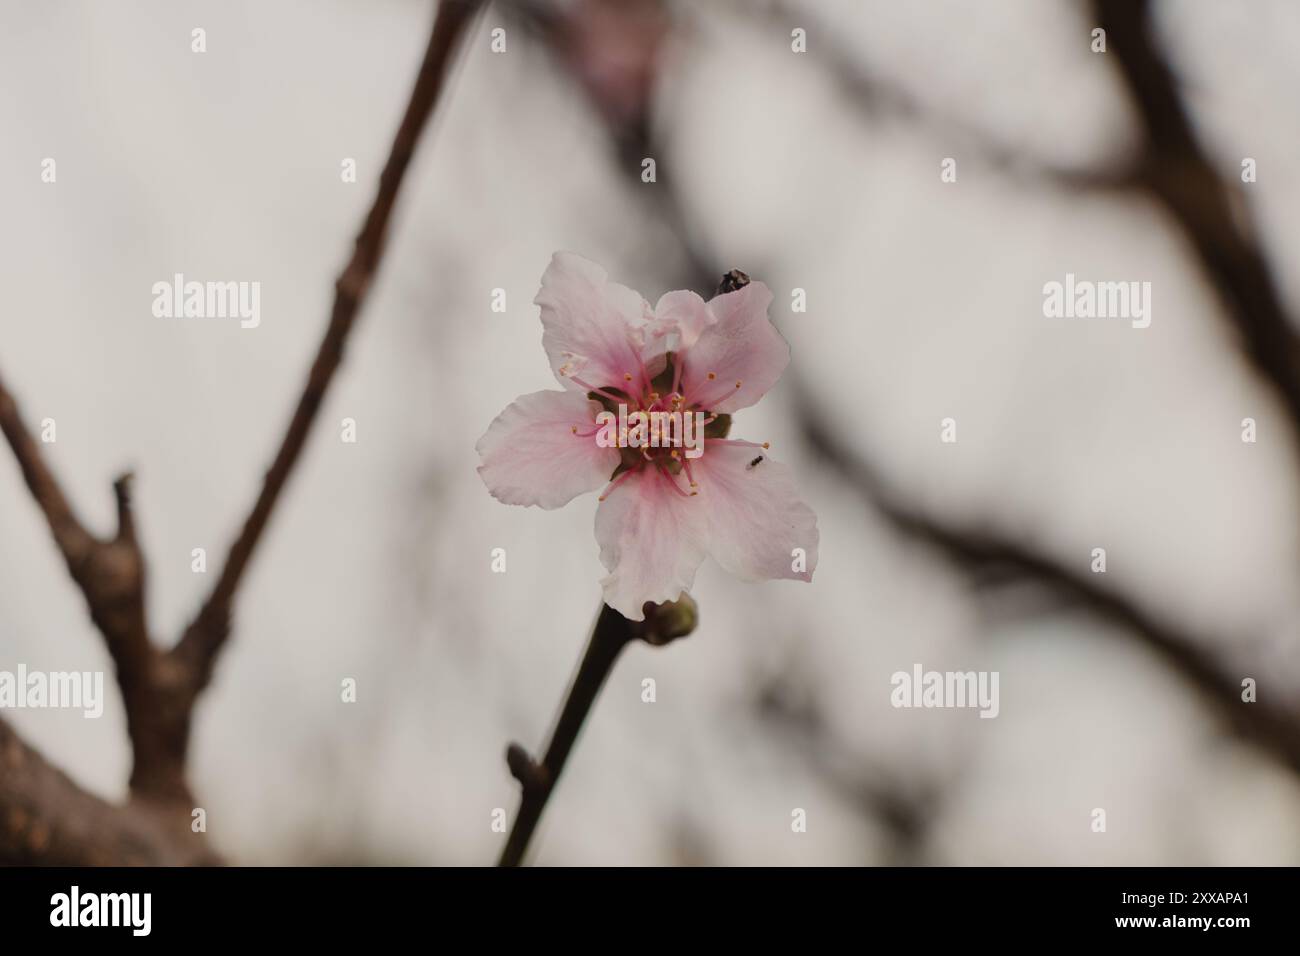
1273 727
1176 170
663 624
110 574
202 641
43 815
47 820
1238 268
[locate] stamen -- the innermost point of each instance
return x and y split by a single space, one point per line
599 391
669 478
593 432
738 443
616 482
686 464
678 364
645 374
708 403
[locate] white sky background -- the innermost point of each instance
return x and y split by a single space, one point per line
924 302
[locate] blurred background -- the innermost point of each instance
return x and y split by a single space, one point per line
816 171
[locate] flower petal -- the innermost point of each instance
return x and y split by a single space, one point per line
592 328
679 319
741 345
756 517
651 540
531 456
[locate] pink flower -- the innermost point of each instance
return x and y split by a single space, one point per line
662 511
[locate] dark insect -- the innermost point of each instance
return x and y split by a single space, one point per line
755 461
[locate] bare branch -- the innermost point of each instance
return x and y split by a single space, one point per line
110 574
43 816
197 651
74 542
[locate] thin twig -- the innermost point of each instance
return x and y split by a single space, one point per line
537 780
204 638
663 624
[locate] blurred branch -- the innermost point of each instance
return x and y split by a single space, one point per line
47 820
632 136
1177 172
1273 728
903 804
1175 168
875 96
48 817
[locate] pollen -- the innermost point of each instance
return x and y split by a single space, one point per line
574 429
712 376
737 383
627 376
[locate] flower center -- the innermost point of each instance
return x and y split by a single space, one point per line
661 399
